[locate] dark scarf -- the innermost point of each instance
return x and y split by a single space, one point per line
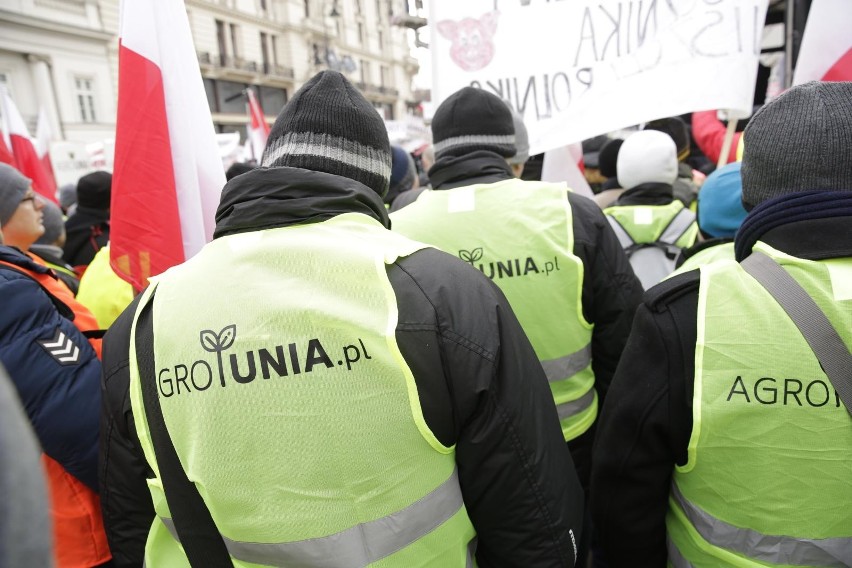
481 166
646 194
803 209
265 198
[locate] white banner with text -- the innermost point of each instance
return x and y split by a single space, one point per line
578 68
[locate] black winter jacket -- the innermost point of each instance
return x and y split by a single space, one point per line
86 232
480 385
646 423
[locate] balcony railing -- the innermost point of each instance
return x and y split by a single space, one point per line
240 64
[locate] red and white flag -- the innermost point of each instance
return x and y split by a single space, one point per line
167 174
6 156
826 51
18 141
258 130
44 136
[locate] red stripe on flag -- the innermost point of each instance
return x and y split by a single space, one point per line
842 70
29 164
6 156
258 121
145 233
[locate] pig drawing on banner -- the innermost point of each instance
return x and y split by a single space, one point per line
472 45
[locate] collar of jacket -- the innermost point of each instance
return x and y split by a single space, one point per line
266 198
813 225
646 194
49 253
15 256
477 167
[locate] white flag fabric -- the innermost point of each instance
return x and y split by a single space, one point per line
167 172
17 140
577 69
826 50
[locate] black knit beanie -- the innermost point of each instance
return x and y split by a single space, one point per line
328 126
801 141
94 190
472 119
675 127
608 158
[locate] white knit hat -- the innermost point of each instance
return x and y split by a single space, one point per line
647 156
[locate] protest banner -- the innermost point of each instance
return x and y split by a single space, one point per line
577 69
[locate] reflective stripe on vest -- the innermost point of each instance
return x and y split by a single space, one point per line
575 407
624 238
676 559
358 546
520 234
777 549
568 366
678 227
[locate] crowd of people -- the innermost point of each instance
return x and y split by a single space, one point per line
387 359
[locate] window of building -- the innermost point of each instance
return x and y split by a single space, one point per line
307 8
264 51
365 72
263 5
235 34
386 76
381 41
229 97
274 49
84 87
210 91
360 33
272 100
357 6
385 110
222 41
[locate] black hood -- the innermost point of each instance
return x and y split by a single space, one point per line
266 198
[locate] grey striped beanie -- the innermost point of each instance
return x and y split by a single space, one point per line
328 126
472 119
801 141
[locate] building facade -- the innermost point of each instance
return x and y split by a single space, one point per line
62 55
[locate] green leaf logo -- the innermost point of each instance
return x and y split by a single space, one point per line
471 256
217 342
227 336
209 340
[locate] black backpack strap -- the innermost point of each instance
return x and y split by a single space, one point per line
826 343
198 534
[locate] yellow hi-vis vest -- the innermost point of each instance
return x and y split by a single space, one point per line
768 480
291 407
520 234
669 228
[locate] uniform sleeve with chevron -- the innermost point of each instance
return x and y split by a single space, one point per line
55 371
